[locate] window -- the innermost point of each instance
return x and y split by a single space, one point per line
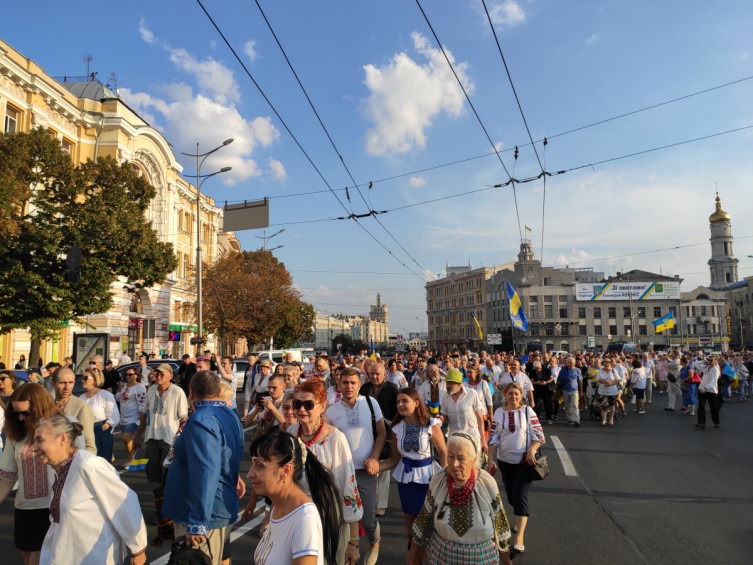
549 329
692 311
626 312
626 330
548 311
641 311
703 310
563 313
597 313
612 312
11 120
547 282
534 310
642 330
66 146
597 330
613 329
581 312
657 311
582 330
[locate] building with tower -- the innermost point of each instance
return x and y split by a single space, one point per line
722 265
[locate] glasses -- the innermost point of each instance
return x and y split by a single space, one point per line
3 378
24 413
130 374
157 373
307 404
86 378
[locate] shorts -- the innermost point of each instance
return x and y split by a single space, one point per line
130 428
640 393
30 528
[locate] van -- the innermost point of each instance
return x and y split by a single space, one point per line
278 355
622 347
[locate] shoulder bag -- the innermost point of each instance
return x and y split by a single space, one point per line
540 470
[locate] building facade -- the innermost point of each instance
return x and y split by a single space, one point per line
372 328
91 121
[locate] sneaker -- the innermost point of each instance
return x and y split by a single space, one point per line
549 422
519 548
641 412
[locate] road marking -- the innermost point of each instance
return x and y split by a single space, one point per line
567 463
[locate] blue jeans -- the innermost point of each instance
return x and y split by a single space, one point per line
103 441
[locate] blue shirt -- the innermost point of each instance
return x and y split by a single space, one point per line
201 484
568 379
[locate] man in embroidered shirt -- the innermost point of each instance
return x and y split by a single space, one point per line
200 493
517 376
352 415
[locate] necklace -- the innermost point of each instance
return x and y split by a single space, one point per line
315 437
461 496
61 404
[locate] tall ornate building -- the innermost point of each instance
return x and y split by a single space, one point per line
90 120
723 264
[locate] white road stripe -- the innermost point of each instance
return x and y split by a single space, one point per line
567 463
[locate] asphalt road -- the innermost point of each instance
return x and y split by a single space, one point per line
650 489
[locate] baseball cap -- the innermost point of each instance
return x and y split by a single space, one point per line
165 368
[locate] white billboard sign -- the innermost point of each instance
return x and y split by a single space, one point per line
623 290
494 339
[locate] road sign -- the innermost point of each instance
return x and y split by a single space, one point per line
494 339
558 326
197 341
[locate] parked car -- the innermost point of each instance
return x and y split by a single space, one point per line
240 366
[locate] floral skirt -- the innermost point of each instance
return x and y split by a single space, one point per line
440 550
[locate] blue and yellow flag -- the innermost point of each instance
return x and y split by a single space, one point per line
517 316
372 353
479 331
666 322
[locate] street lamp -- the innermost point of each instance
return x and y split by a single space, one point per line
265 239
200 158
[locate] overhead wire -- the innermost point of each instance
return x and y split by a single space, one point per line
329 137
473 108
292 135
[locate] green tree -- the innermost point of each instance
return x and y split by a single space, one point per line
345 342
250 295
54 205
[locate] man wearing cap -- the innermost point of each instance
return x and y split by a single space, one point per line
167 407
463 409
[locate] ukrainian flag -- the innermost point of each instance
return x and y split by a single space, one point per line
666 322
517 316
478 326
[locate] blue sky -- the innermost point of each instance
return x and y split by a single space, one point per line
395 113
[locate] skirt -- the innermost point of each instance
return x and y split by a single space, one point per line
412 496
440 550
30 528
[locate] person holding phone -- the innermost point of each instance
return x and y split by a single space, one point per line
267 406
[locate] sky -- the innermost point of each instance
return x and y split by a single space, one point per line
609 84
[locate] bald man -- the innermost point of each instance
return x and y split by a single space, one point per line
63 381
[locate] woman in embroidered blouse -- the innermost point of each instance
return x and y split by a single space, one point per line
516 437
132 397
413 433
19 462
104 409
462 520
87 486
333 451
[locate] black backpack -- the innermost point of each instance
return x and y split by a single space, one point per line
182 554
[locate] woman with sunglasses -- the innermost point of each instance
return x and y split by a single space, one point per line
8 381
104 409
132 398
333 451
19 462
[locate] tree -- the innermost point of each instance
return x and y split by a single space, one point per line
250 295
345 342
54 205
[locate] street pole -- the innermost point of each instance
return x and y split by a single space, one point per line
200 158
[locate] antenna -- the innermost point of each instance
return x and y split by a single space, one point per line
88 57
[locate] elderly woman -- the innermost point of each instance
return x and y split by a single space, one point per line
95 517
462 520
515 439
689 380
104 409
608 388
19 462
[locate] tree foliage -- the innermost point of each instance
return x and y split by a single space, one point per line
250 295
53 205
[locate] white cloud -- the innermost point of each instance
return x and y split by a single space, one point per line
407 96
145 33
249 48
507 13
417 182
576 256
593 38
278 170
208 115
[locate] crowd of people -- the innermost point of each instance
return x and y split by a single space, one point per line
458 434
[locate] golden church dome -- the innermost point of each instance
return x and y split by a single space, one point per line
719 215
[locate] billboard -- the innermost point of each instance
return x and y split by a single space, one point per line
625 290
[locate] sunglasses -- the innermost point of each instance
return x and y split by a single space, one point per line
3 378
130 374
24 413
307 404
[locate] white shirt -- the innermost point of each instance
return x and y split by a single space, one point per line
461 413
482 389
398 379
103 407
132 400
709 378
163 413
521 378
638 378
297 534
355 423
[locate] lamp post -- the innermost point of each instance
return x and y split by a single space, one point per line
200 158
265 239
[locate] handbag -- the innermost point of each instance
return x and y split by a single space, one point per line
540 470
183 554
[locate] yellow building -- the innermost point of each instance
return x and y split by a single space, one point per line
91 121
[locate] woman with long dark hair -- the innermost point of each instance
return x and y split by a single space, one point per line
301 526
